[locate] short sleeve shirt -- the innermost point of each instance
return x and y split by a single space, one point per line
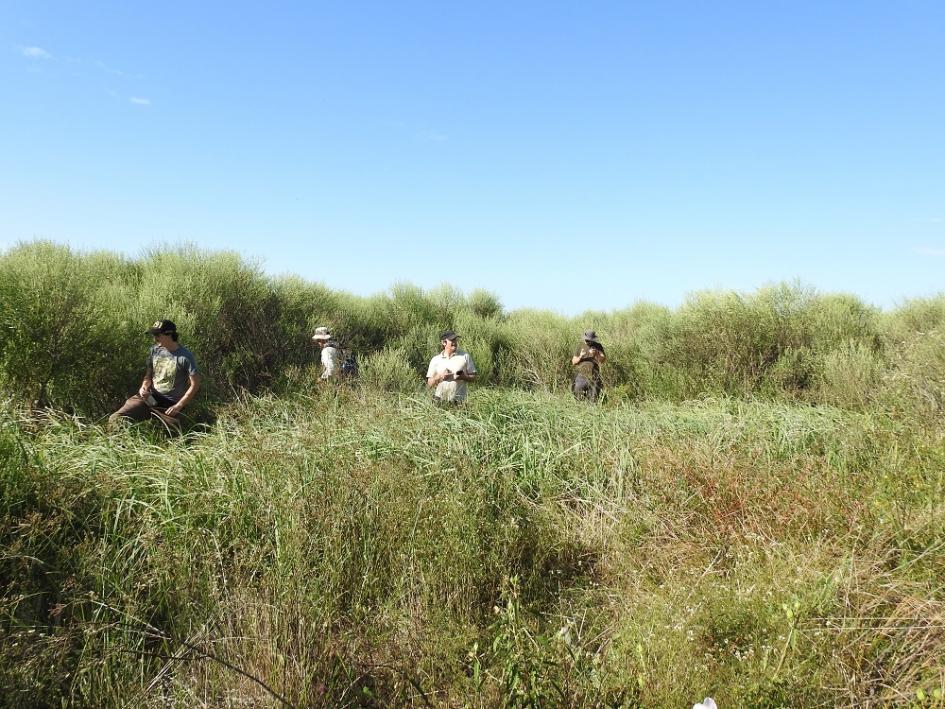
588 366
459 362
171 371
330 356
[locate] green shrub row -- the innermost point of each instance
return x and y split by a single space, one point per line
72 327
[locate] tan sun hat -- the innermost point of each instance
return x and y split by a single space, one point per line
321 333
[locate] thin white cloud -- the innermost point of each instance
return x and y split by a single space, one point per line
929 251
113 71
139 101
35 53
101 65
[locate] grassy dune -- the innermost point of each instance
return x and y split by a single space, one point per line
357 548
755 512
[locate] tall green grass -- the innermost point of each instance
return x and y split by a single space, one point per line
352 548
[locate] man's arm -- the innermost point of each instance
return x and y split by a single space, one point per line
145 389
435 379
188 395
432 377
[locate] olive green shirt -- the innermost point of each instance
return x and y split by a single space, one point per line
588 366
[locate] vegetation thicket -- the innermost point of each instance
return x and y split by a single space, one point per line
72 323
754 513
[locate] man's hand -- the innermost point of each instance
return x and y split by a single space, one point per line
174 410
144 390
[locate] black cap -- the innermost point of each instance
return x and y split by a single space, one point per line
162 327
448 335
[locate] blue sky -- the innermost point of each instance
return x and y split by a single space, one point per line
569 156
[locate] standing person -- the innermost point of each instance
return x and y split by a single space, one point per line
587 360
170 380
450 370
331 353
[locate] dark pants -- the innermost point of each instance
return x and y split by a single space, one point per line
585 388
136 408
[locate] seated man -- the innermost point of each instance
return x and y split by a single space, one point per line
169 383
449 371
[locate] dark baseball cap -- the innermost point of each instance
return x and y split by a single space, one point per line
162 327
448 335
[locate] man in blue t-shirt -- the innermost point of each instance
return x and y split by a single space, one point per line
170 381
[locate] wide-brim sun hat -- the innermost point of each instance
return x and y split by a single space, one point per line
591 336
321 333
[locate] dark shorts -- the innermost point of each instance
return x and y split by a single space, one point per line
584 388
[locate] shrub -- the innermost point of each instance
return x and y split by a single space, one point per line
536 350
766 342
791 373
303 306
839 319
226 311
917 380
484 305
722 342
851 375
918 315
482 338
62 344
389 370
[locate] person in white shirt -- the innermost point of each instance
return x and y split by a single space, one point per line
450 370
331 353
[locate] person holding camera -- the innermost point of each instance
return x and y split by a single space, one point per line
587 359
449 371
